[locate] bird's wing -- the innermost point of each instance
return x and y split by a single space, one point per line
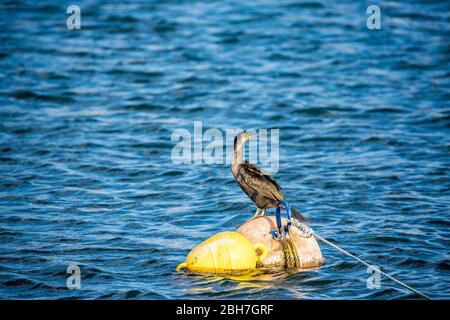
262 183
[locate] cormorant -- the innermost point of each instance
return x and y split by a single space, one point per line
261 188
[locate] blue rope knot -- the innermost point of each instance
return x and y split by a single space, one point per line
282 231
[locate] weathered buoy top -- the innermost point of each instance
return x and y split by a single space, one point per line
258 230
225 252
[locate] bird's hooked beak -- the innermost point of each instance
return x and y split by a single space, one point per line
248 136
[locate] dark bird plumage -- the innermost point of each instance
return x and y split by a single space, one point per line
261 188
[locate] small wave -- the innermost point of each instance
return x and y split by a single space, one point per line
19 282
147 107
31 95
443 265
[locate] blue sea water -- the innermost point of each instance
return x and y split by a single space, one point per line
86 118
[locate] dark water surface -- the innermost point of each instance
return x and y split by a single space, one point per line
86 119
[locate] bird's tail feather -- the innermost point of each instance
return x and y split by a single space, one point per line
297 215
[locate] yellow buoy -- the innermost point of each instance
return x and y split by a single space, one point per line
225 252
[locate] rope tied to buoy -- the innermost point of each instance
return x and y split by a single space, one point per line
291 257
308 232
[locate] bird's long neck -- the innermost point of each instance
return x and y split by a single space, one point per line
237 157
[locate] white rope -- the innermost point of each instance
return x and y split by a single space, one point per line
308 232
